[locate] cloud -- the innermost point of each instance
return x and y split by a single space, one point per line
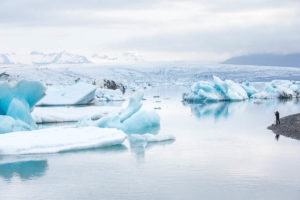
166 27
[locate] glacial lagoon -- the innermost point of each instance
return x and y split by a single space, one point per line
222 151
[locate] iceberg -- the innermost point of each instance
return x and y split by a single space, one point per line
281 89
58 139
216 90
77 94
9 124
16 103
130 120
109 95
57 114
228 90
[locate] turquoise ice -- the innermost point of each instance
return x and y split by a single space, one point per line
16 103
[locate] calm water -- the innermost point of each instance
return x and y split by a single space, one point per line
222 151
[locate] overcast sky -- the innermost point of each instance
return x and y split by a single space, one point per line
157 30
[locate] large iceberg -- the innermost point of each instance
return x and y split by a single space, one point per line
77 94
16 103
228 90
58 139
278 89
216 90
131 119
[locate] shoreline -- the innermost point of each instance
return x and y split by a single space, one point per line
289 126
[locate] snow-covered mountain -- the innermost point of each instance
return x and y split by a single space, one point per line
5 59
63 57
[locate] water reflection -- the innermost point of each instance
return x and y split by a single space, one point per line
216 110
224 109
139 148
26 170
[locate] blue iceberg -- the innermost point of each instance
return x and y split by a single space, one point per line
16 103
228 90
216 90
132 119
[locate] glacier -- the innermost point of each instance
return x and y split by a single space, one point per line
58 139
77 94
16 103
228 90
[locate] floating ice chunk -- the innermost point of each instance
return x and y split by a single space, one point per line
29 92
131 119
109 95
151 137
52 140
134 105
9 124
278 89
141 121
216 90
55 114
249 88
17 102
77 94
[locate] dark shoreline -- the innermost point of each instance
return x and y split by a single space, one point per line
289 126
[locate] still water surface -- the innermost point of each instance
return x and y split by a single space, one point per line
222 151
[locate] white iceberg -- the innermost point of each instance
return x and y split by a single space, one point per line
109 95
278 89
58 139
55 114
77 94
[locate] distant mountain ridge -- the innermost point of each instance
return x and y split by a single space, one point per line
287 60
57 58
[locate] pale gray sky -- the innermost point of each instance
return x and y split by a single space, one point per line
164 30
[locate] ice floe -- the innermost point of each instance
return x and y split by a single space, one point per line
16 103
228 90
52 140
131 119
77 94
54 114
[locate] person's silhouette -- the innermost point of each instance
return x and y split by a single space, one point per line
277 118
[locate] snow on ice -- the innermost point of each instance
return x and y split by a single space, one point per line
52 140
77 94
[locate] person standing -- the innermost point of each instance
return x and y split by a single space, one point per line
277 118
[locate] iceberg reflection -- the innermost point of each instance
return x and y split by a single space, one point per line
216 110
26 170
